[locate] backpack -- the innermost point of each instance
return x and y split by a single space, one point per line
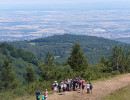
55 84
83 83
80 81
52 86
38 96
91 86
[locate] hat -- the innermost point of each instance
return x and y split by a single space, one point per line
55 81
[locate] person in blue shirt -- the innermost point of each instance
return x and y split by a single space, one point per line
37 94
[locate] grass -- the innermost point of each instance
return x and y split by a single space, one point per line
94 81
121 94
27 98
30 97
108 78
33 44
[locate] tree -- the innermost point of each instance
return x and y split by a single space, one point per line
118 59
127 67
8 77
77 60
103 60
30 76
49 59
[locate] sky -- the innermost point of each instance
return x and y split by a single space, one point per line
56 1
101 4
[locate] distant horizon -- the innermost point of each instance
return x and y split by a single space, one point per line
68 6
29 19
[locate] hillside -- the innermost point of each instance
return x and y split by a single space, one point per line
60 46
19 60
100 90
125 40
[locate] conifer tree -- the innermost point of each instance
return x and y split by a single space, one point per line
49 59
118 58
103 60
30 76
127 67
8 77
77 60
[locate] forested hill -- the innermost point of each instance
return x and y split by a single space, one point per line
125 40
60 46
19 60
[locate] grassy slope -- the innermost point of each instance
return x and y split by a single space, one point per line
121 94
94 81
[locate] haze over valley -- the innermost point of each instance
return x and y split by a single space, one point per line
18 25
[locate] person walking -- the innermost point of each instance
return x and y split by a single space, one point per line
80 84
43 96
83 85
55 86
37 94
64 88
46 94
59 86
88 87
91 87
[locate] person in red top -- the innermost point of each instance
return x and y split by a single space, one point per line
83 85
80 83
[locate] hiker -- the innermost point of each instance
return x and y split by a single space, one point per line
46 94
83 85
59 86
68 84
88 87
37 94
52 87
91 87
80 83
64 88
43 96
55 86
74 83
71 84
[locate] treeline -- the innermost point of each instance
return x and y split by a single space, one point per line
10 51
48 71
60 46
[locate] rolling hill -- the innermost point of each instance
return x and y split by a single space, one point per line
19 60
60 46
125 40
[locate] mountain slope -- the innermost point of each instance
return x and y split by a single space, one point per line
19 60
60 46
125 40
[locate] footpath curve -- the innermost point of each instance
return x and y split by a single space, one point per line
100 90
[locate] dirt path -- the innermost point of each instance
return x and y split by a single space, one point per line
100 90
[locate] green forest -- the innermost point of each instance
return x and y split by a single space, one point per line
60 46
23 71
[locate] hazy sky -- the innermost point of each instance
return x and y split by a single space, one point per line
69 4
56 1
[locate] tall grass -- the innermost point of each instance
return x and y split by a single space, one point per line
121 94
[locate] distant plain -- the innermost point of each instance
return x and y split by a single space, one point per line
26 25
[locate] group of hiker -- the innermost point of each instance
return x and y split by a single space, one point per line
76 84
44 95
72 85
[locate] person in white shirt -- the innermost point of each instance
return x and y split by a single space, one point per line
88 87
55 86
